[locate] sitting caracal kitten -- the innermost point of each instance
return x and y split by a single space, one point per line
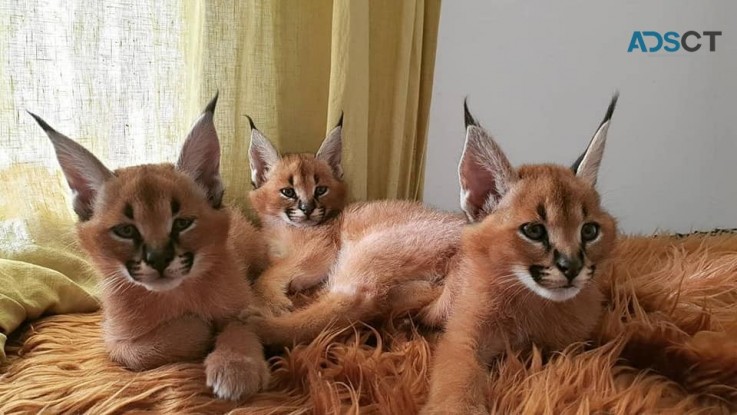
528 266
378 258
174 261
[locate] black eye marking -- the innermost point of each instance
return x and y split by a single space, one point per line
320 190
180 224
291 180
126 231
288 192
534 231
175 206
589 231
585 212
541 211
128 211
317 179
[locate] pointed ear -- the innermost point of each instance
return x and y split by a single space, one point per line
262 155
200 155
484 171
587 165
85 174
331 149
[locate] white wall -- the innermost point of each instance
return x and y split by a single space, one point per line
539 75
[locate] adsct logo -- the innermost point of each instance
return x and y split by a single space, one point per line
691 41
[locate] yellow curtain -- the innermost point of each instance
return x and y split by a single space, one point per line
294 66
126 78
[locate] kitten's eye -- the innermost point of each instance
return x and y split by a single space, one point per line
288 192
126 231
181 224
320 190
534 231
589 231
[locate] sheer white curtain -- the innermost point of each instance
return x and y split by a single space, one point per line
108 74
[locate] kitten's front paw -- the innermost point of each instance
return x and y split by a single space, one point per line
235 376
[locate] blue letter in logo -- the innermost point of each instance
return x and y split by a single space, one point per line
672 38
637 42
656 35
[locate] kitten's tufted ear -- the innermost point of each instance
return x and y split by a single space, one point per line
200 155
484 171
85 174
587 165
262 155
331 149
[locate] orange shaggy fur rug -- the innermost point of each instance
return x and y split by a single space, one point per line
668 343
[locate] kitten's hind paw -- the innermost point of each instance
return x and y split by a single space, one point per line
235 376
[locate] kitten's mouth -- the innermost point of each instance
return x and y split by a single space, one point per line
562 287
172 276
537 279
302 220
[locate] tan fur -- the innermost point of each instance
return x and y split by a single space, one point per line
174 263
660 290
300 254
379 258
144 329
492 309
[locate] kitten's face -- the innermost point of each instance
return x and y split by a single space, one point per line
149 225
299 190
153 226
544 221
556 229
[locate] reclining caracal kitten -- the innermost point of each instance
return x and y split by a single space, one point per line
528 266
173 260
378 257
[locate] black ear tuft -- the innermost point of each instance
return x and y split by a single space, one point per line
46 127
250 121
467 115
213 102
610 110
340 121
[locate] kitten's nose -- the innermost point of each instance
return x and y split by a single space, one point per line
160 258
306 208
570 267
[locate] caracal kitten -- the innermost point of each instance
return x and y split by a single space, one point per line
173 260
528 266
378 258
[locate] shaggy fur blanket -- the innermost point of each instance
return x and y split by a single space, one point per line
668 343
